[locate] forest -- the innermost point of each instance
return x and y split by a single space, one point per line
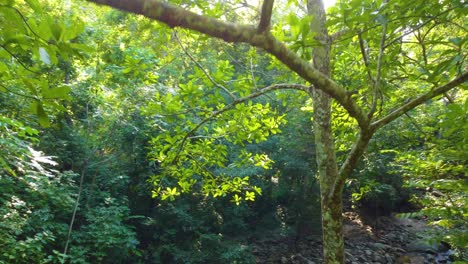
233 131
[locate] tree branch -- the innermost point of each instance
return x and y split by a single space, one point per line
265 18
24 21
337 35
351 160
376 88
431 18
175 16
252 74
419 100
366 134
18 94
18 60
365 58
415 124
228 107
203 69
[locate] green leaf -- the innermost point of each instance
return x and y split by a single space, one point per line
170 193
44 29
258 190
249 196
443 223
37 109
381 19
34 4
3 67
237 199
44 56
42 116
61 92
74 31
56 30
457 41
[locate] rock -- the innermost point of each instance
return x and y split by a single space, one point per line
406 259
388 258
284 260
444 257
361 259
349 256
378 246
401 238
422 247
430 258
377 257
302 259
368 252
399 250
417 260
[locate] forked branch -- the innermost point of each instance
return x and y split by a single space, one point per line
267 9
420 100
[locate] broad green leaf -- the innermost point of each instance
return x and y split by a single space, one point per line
42 116
3 67
61 92
249 196
44 56
34 4
37 109
237 199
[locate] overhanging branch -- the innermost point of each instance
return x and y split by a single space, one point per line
230 106
175 16
208 75
419 100
349 164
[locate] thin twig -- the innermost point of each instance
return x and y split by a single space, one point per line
201 67
252 74
449 98
18 94
18 60
75 209
419 100
335 36
418 127
365 58
376 88
25 21
432 18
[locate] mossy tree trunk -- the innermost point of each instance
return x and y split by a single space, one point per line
331 205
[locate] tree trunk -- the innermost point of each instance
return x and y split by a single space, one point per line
331 204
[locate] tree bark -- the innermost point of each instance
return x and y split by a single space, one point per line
331 203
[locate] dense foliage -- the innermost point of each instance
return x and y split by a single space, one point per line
125 141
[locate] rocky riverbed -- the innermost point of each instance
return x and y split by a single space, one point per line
386 240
